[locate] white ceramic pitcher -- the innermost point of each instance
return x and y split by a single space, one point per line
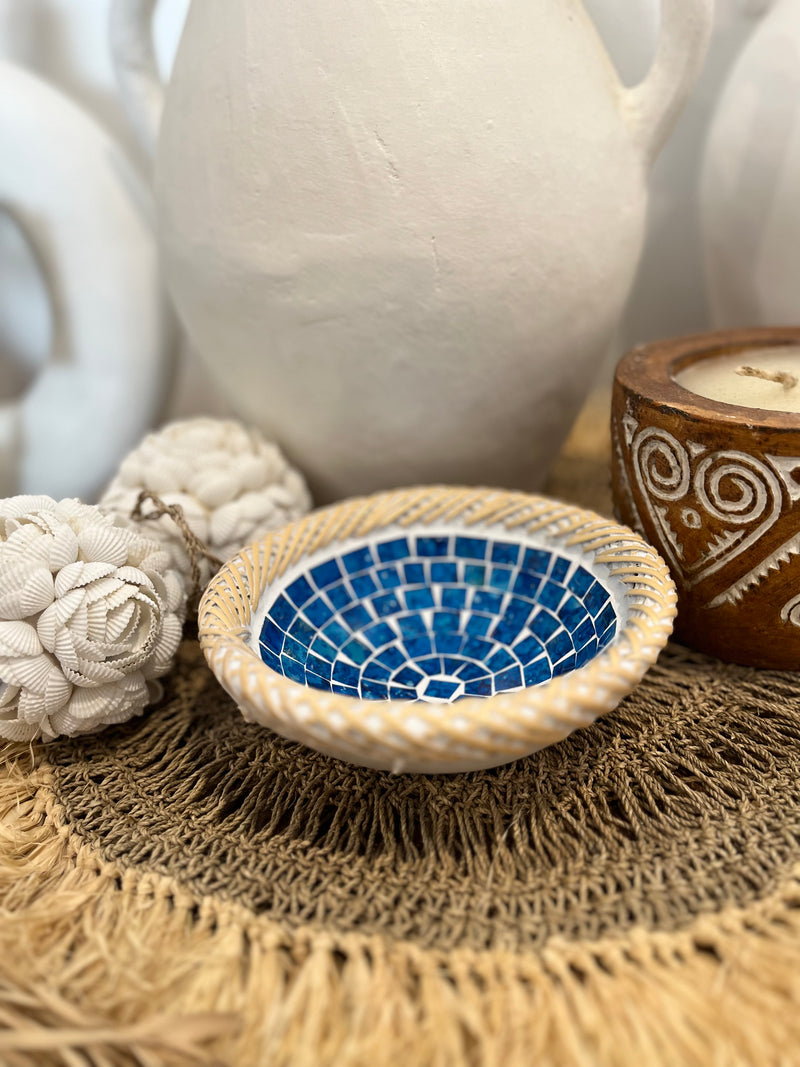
750 191
402 233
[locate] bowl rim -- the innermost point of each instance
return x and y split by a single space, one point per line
386 733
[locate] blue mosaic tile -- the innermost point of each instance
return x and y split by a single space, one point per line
436 618
500 578
318 666
504 552
270 658
282 613
300 592
293 670
317 682
455 599
389 577
357 617
566 665
379 635
356 651
479 625
559 570
439 689
393 657
448 642
500 660
446 620
377 672
528 649
339 595
326 574
418 647
481 687
412 625
472 670
415 574
487 602
324 648
527 585
374 690
581 581
544 625
302 631
558 646
392 550
272 635
596 599
357 561
318 612
346 673
364 585
536 561
510 679
470 548
419 599
336 633
474 575
388 604
431 666
433 546
295 649
538 672
606 618
550 595
444 573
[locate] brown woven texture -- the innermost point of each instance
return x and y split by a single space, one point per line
191 888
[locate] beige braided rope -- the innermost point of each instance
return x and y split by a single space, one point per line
474 732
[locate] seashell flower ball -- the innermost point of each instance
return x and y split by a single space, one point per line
232 485
91 614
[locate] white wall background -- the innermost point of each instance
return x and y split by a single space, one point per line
66 42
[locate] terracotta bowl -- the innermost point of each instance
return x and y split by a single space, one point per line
437 630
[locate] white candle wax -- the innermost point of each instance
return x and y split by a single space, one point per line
737 379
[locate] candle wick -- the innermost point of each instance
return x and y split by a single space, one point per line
781 377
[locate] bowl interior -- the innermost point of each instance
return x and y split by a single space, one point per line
434 616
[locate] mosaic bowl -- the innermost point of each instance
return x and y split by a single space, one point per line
437 630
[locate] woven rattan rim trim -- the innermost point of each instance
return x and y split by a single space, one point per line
525 720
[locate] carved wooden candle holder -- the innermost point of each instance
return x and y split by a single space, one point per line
715 484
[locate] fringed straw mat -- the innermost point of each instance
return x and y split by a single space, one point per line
191 889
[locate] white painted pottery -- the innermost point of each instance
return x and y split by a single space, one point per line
84 213
403 234
751 178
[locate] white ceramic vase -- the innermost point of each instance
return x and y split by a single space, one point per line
751 181
403 234
86 216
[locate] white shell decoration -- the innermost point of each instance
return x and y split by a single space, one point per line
232 485
91 614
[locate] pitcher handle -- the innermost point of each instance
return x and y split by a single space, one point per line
134 56
652 107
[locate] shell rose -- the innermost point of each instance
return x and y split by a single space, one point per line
91 614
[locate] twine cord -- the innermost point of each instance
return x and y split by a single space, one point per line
196 549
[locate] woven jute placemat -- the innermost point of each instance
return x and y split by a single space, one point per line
189 888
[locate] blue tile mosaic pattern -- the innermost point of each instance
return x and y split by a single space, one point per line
437 618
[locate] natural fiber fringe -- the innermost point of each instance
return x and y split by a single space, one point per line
106 968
